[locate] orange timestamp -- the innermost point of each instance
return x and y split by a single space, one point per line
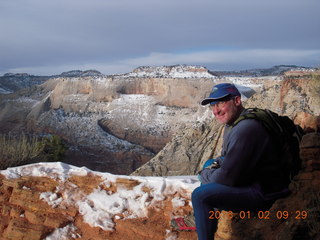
283 214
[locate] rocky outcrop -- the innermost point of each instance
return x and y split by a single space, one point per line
58 201
301 93
150 138
185 153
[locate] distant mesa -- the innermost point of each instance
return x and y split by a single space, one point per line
16 75
79 73
175 71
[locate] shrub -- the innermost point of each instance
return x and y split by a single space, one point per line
15 150
53 149
23 149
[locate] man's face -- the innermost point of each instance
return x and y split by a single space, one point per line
228 111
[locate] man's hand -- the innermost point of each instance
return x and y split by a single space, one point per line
211 163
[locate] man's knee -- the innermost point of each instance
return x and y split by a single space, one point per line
200 193
195 194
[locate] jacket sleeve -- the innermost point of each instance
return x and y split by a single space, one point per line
245 146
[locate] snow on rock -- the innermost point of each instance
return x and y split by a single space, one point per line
176 71
65 233
56 170
104 199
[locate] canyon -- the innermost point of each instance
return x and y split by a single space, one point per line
117 123
148 126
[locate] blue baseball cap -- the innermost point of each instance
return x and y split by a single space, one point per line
221 92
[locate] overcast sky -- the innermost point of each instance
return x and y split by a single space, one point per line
45 37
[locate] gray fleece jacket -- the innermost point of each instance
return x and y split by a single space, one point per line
248 157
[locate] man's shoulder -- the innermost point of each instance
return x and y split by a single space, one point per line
253 117
248 117
247 124
249 111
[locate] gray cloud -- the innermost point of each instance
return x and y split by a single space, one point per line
113 36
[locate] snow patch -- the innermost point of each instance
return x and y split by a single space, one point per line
65 233
51 198
55 170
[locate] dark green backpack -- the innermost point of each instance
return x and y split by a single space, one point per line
286 136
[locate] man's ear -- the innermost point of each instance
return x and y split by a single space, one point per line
237 101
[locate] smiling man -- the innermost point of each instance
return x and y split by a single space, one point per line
248 174
225 102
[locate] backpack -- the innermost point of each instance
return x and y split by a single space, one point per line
285 134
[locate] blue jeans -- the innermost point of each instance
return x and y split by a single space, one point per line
213 196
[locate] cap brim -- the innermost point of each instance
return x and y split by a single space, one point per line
207 101
213 100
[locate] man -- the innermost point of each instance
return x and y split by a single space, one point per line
247 175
